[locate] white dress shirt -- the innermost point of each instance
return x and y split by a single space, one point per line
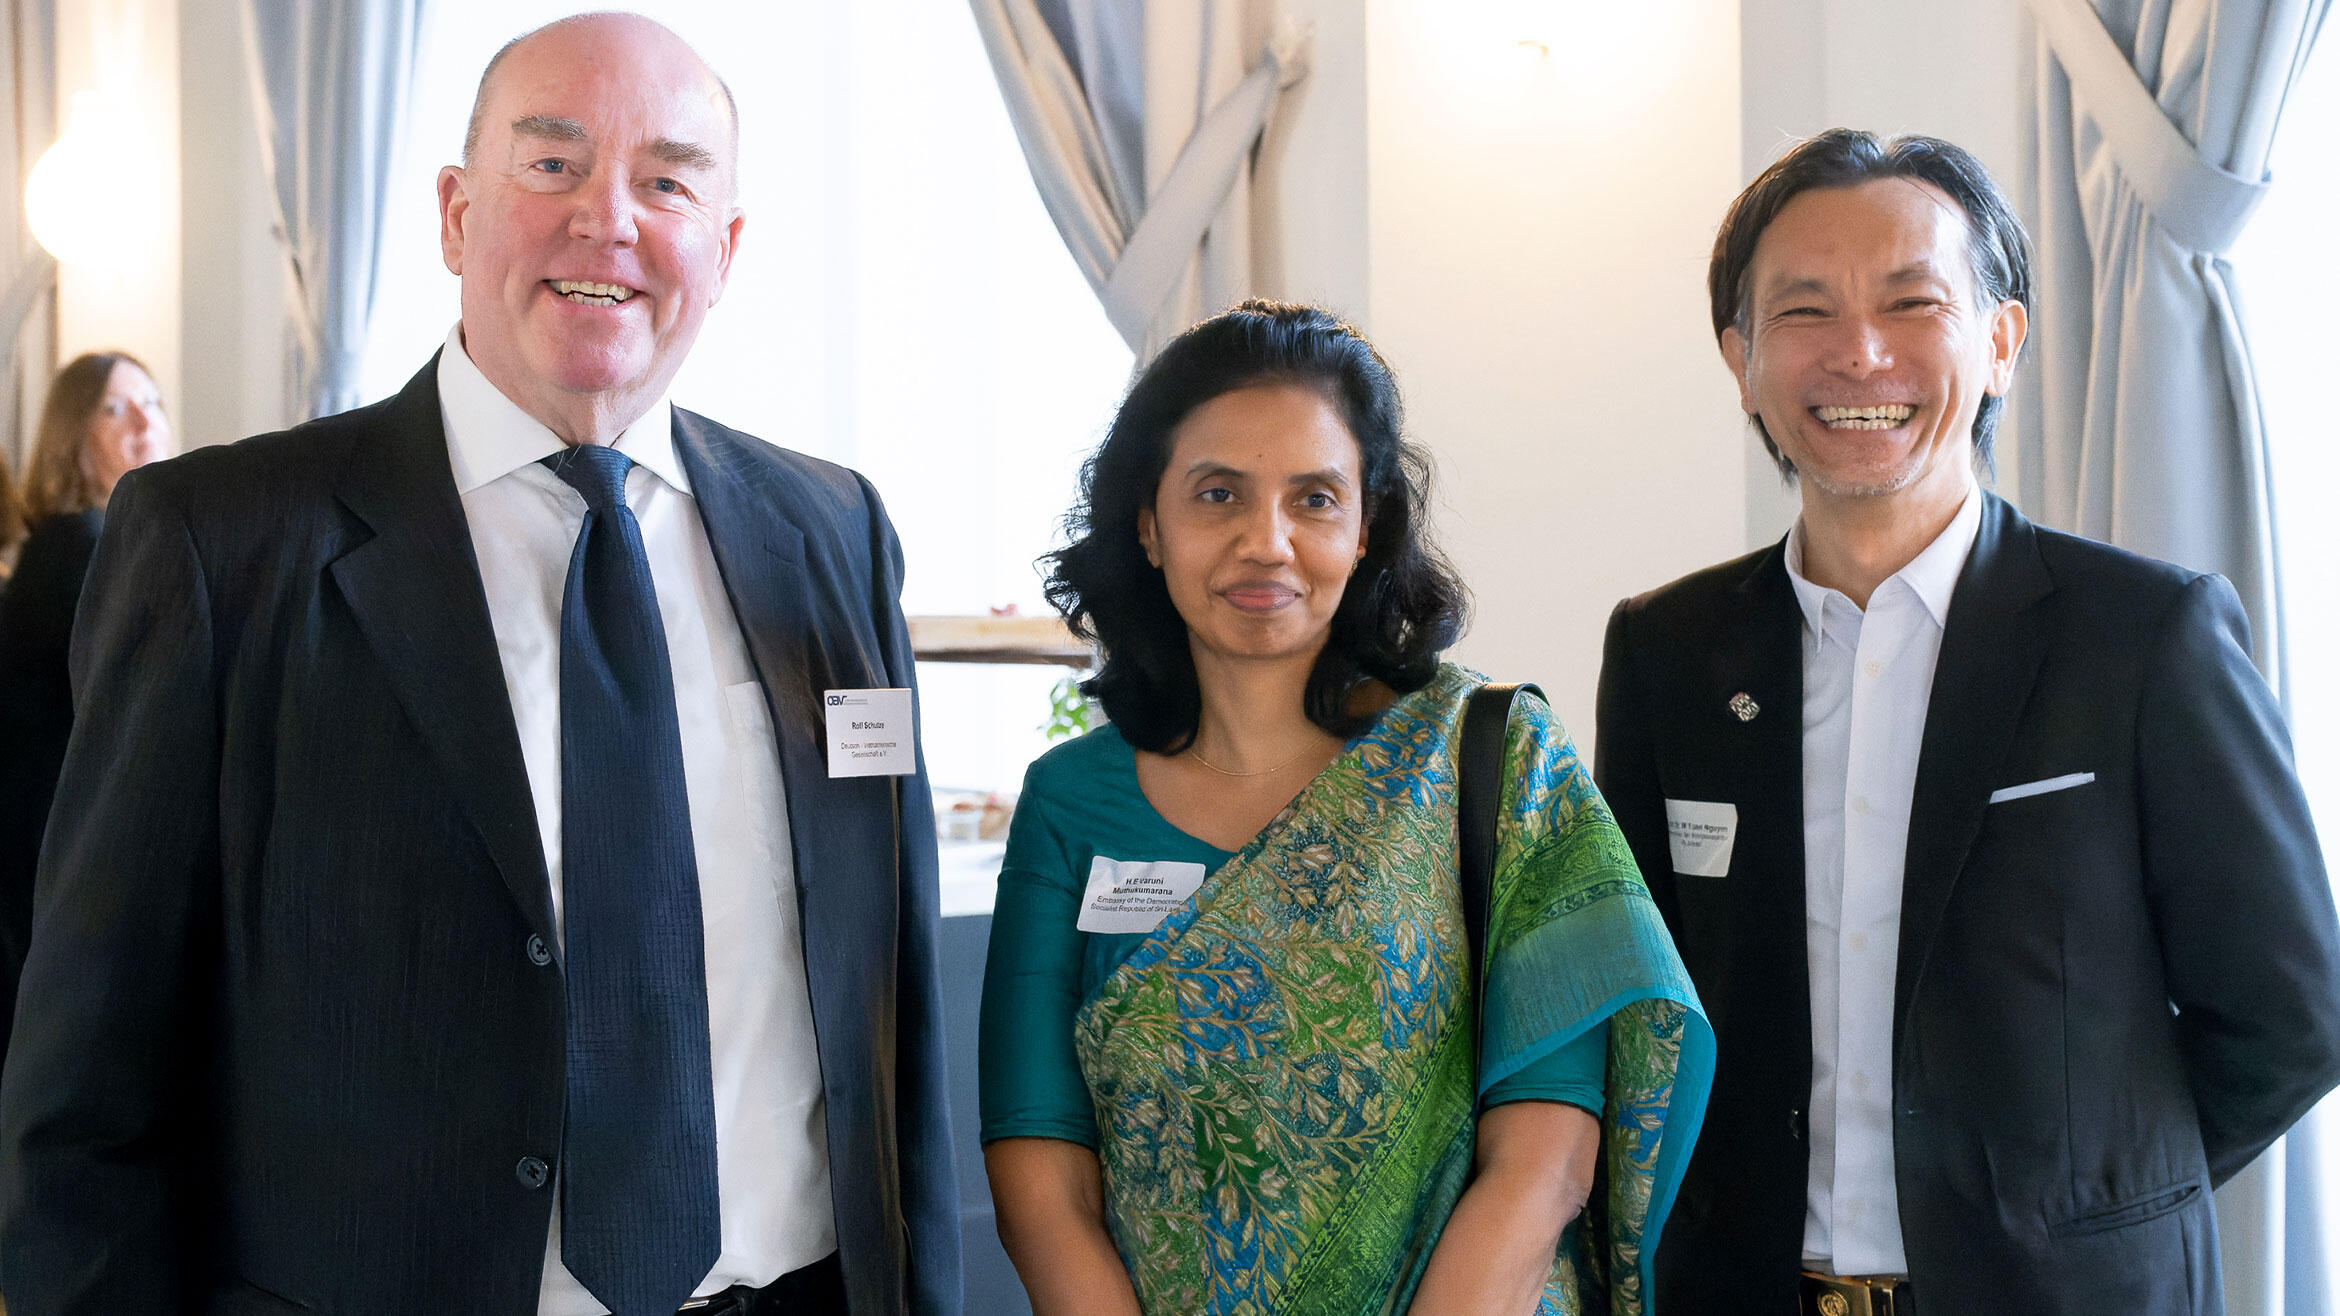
772 1164
1867 681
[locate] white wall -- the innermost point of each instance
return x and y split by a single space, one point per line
1957 71
127 48
1308 209
202 302
1533 245
233 324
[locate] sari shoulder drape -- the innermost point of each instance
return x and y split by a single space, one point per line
1285 1073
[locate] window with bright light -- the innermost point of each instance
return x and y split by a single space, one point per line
2283 262
900 303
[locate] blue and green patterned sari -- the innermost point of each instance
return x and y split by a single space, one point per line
1284 1072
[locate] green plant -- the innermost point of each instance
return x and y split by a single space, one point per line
1069 711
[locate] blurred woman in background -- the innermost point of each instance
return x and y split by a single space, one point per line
103 417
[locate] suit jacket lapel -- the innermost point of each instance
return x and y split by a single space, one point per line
415 590
760 554
1992 645
1769 668
779 599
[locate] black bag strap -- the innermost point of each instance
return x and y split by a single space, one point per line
1479 792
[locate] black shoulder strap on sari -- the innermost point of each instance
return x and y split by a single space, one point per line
1479 792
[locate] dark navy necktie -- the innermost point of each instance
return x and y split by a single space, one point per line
640 1224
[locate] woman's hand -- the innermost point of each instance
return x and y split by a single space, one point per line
1534 1169
1049 1196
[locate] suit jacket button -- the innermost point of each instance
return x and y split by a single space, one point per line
538 953
1796 1125
531 1172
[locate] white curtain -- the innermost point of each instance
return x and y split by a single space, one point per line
1139 122
2143 428
28 274
329 89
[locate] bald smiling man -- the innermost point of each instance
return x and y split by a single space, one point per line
453 902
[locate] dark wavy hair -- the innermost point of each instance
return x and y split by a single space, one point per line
1401 608
1997 247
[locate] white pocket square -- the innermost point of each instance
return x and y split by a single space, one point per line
2042 787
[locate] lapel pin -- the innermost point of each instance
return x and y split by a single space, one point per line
1745 706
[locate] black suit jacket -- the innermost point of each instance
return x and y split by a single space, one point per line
2109 997
36 715
283 1045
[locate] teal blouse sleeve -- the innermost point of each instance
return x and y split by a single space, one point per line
1576 1073
1029 1078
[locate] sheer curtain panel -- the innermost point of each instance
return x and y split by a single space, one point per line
2154 126
28 274
1139 121
329 87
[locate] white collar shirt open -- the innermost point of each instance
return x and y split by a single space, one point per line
1868 678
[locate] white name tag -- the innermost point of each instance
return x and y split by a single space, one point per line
870 733
1127 895
1700 833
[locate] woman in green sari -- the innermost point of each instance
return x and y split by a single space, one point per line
1229 1061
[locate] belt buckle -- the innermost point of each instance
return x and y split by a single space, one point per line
1836 1295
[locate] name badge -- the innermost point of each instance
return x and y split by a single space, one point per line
1127 895
870 733
1700 833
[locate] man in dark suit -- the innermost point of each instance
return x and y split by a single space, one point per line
451 904
1982 842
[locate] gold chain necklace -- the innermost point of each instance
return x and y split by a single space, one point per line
1256 772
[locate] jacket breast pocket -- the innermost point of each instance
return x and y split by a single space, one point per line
2033 789
2049 811
2054 861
